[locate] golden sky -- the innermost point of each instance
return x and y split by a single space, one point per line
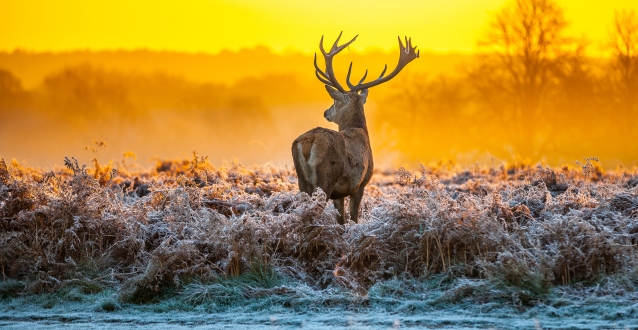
212 25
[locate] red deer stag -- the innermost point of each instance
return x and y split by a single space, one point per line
340 163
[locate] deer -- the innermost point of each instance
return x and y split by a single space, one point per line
340 162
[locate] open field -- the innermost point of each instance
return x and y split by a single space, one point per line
518 242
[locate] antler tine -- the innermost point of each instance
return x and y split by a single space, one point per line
336 49
328 77
317 70
360 81
335 45
321 47
407 54
383 72
348 77
322 80
412 49
364 77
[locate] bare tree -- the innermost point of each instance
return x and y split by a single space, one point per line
526 47
624 65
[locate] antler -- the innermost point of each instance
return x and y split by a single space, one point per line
406 56
328 77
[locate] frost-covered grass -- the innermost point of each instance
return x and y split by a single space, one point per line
459 304
189 236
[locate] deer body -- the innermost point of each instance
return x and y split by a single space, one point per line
340 162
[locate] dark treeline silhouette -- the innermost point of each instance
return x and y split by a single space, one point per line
532 94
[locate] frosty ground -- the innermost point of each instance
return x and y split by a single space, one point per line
188 244
566 308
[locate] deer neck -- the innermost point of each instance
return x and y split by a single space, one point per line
354 119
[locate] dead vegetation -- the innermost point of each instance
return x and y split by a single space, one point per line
206 232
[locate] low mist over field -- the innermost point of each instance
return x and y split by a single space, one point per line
246 105
250 105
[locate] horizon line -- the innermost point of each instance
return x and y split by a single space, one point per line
284 51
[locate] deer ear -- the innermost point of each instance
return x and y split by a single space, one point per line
335 94
363 96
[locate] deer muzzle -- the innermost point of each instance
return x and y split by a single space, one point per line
330 114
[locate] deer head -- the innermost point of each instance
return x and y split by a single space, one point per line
345 106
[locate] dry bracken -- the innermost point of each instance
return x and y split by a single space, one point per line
187 223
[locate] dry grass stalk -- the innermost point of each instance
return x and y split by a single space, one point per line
533 227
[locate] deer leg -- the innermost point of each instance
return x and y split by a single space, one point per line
355 201
339 205
305 186
326 187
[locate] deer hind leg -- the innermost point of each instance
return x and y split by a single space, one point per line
302 169
340 206
355 202
323 182
304 185
316 177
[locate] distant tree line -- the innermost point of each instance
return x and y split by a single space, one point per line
533 94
